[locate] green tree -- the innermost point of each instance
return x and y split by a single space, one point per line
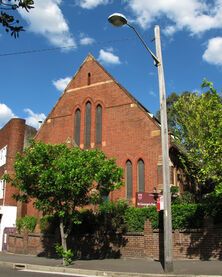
62 179
8 21
171 99
198 130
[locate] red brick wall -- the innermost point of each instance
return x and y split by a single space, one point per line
128 131
202 244
15 134
12 135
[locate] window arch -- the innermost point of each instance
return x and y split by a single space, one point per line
141 175
87 124
98 124
77 126
129 180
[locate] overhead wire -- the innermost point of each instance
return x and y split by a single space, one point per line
31 51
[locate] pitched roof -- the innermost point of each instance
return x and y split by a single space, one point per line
90 57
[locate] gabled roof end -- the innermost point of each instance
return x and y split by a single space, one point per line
89 57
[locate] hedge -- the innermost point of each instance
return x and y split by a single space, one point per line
118 216
183 216
136 217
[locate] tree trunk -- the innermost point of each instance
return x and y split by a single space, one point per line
63 237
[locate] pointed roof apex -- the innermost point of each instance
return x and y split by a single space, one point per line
90 57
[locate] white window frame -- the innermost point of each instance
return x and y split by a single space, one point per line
3 154
2 187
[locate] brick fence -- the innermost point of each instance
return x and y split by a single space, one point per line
201 244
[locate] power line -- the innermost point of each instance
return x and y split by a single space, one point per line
32 51
35 51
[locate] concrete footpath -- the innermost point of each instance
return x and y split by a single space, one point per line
113 267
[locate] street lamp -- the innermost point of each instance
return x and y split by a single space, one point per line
118 20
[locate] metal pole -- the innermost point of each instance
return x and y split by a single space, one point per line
168 260
156 61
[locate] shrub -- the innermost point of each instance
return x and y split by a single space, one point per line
26 223
213 208
136 217
183 217
185 198
187 216
117 216
48 224
112 214
19 224
119 207
66 255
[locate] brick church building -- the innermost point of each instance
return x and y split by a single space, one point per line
95 111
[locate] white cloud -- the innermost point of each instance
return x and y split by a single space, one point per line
110 49
108 57
91 4
152 93
61 83
194 15
47 19
169 30
5 114
85 40
213 52
34 119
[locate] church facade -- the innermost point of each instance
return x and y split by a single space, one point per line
95 111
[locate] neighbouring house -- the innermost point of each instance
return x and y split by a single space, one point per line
14 136
94 111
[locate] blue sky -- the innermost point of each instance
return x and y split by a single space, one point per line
31 83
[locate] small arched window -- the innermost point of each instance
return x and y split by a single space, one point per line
89 79
87 124
141 175
77 126
129 180
98 124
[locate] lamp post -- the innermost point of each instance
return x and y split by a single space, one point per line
119 20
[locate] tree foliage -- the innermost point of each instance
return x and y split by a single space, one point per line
7 20
62 179
198 130
170 101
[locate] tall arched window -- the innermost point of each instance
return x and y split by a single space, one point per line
98 124
77 126
129 180
141 175
87 124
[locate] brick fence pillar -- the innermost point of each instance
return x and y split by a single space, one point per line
25 243
148 240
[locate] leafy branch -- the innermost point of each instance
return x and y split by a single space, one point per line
8 21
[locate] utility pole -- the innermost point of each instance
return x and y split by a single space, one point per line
118 20
168 259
